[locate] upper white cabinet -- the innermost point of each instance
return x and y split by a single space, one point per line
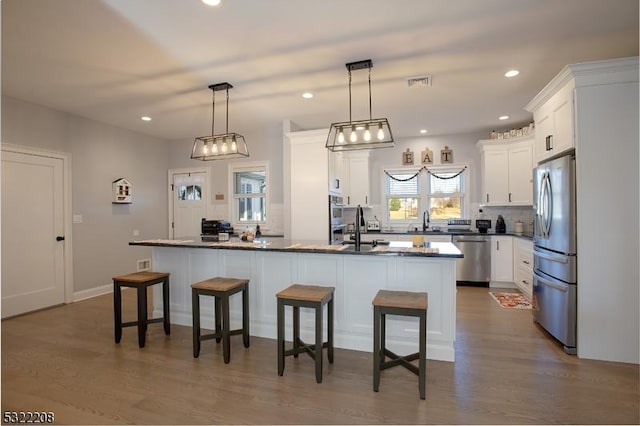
554 123
355 175
336 181
507 171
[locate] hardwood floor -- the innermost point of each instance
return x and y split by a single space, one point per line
507 371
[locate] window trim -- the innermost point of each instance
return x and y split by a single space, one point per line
249 166
424 195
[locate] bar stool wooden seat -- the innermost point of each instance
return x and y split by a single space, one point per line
399 303
140 281
221 289
307 296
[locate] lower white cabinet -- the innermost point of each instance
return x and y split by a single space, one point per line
501 259
523 265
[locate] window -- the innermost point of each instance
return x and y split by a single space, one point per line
442 193
445 195
249 188
403 197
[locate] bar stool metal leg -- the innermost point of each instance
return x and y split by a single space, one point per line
195 315
280 337
117 311
330 331
423 355
296 330
376 348
226 341
165 306
245 317
142 315
218 316
318 345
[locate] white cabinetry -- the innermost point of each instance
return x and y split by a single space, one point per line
336 182
554 123
523 265
309 176
355 175
507 172
502 259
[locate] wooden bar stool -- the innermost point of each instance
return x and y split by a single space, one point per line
307 296
140 281
399 303
220 288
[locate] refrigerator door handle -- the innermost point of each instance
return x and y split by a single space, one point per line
547 208
548 283
558 259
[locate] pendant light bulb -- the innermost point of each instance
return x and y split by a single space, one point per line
340 135
205 149
354 136
214 147
224 145
380 132
234 146
367 133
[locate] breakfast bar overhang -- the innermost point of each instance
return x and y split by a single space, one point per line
273 264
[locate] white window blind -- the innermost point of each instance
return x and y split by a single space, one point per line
403 186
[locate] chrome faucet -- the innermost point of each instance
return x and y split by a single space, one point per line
359 223
425 220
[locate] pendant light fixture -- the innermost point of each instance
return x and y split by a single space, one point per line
362 134
220 146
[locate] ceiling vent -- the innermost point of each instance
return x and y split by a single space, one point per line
422 81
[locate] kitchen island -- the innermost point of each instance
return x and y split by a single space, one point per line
272 264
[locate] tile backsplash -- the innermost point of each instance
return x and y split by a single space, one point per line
511 215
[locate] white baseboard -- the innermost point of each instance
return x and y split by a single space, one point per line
92 292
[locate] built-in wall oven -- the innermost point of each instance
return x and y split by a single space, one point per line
336 225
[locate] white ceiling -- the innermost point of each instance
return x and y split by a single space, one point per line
116 60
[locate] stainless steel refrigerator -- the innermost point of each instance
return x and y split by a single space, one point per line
555 283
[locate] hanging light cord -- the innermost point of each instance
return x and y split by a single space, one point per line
226 130
213 110
370 94
349 95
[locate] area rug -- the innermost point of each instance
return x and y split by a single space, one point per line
511 300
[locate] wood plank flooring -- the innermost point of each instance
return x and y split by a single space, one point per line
507 371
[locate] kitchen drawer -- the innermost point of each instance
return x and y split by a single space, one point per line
523 254
523 278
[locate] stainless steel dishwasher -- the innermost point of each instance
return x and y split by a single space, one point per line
475 267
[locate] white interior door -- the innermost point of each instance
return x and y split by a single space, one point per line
32 220
190 195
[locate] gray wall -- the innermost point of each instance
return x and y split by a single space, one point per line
100 153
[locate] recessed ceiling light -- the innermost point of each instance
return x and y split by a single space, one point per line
503 117
423 131
511 73
212 2
307 95
145 118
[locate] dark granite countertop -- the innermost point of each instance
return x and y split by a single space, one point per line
394 248
448 232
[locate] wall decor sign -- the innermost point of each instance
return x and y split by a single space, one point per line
121 191
446 155
427 156
407 158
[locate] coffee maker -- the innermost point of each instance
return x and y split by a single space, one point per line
483 225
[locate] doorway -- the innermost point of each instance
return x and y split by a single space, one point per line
188 201
36 230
